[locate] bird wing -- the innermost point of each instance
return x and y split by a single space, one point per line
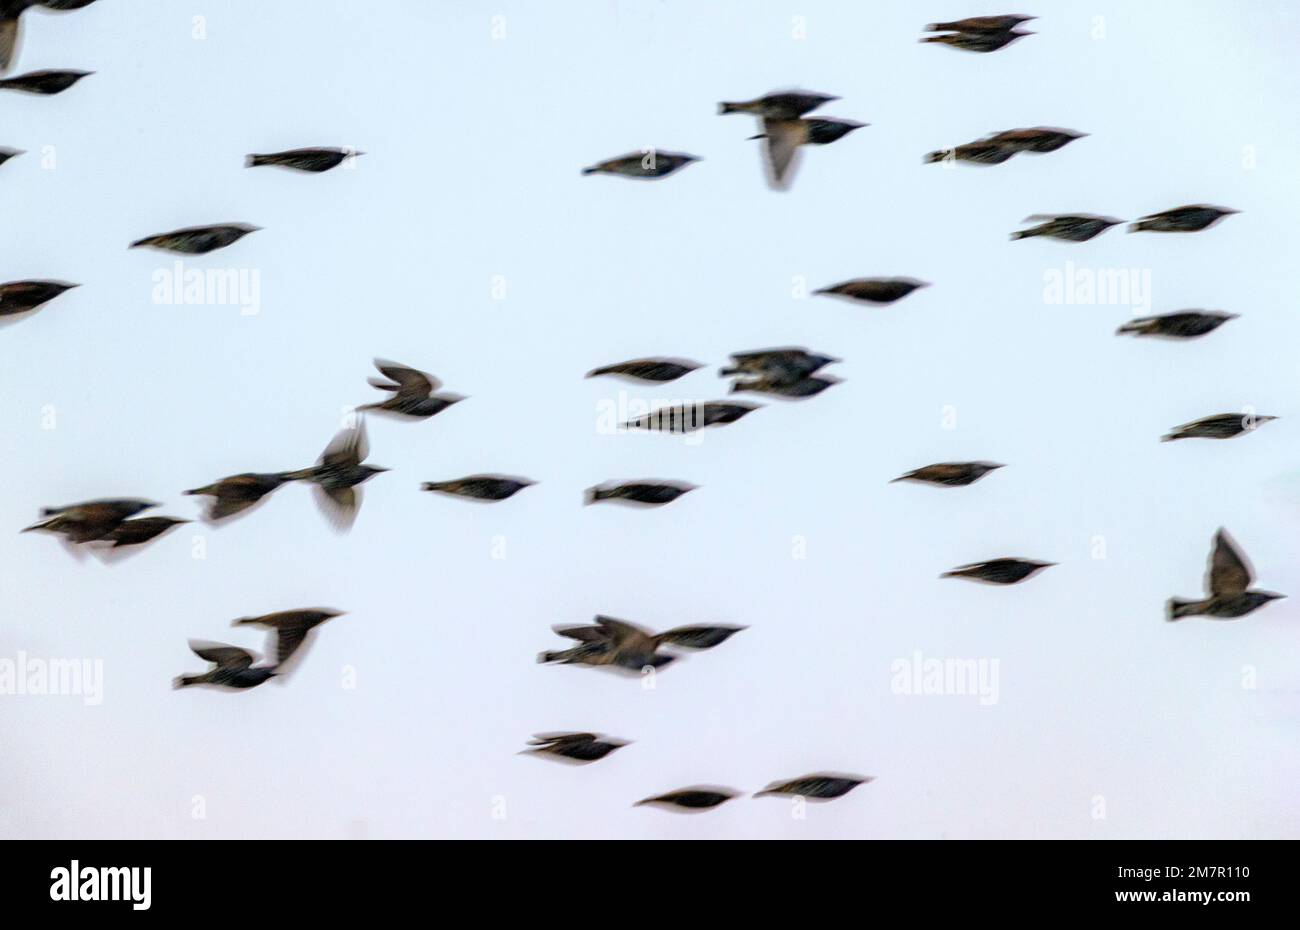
349 447
1230 572
339 505
585 634
619 631
697 637
781 141
541 739
8 39
223 656
288 638
225 507
409 380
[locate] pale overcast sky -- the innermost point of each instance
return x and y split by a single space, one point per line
466 243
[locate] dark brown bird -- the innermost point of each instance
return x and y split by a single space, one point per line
197 240
788 364
1182 219
783 138
695 799
687 418
874 290
413 392
7 153
312 160
646 165
979 41
232 667
290 630
624 645
580 748
649 369
23 296
1037 140
950 474
820 786
480 487
238 492
782 105
45 83
998 571
1185 324
141 530
337 474
1219 426
648 492
89 520
979 153
800 389
1076 227
981 24
1227 581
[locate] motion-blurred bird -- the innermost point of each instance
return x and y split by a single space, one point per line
45 83
22 296
1037 140
413 392
651 493
141 530
979 41
1227 582
238 492
950 474
232 667
314 160
782 105
647 165
790 364
874 290
625 645
1075 227
799 389
89 520
820 786
783 137
290 629
686 418
581 748
197 240
7 153
1219 426
648 369
338 472
1186 324
695 799
1182 219
981 24
998 571
480 487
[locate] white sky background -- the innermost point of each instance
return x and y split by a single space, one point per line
474 149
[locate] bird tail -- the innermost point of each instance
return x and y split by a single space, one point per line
727 372
592 495
203 490
1022 234
588 170
1139 326
724 108
1136 227
545 657
252 161
1177 609
1170 437
938 156
932 38
433 485
184 681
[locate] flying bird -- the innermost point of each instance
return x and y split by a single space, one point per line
981 24
197 240
649 492
480 487
799 389
338 473
648 369
45 83
1070 227
314 160
23 296
626 646
649 165
412 392
820 786
89 520
694 799
1037 140
291 630
1227 581
687 418
874 290
238 492
1182 219
950 474
783 138
232 667
1219 426
979 41
141 530
782 105
580 748
788 364
998 571
1186 324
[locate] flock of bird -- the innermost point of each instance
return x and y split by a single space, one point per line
787 372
